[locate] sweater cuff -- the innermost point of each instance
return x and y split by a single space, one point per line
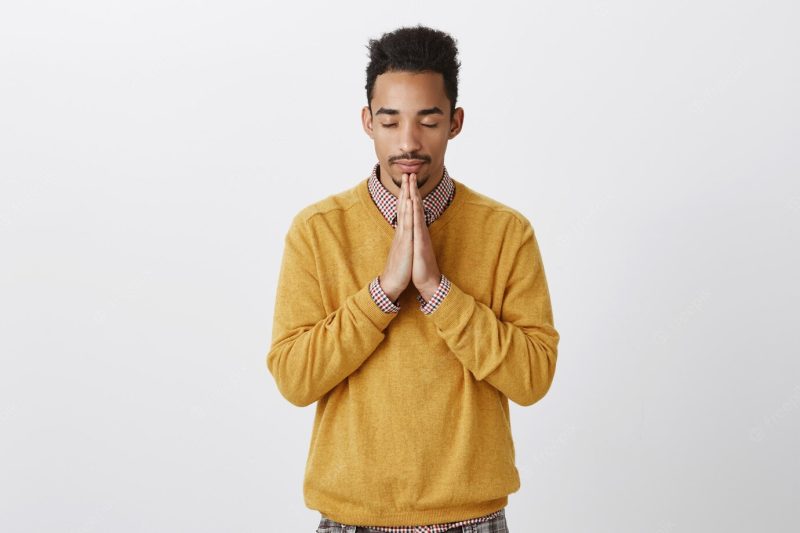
365 303
455 310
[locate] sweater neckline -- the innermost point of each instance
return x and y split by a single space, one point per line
436 226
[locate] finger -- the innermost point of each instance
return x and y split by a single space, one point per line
410 202
419 215
414 190
401 203
408 221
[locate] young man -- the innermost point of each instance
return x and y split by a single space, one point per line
411 308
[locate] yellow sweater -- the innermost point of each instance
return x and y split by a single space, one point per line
412 420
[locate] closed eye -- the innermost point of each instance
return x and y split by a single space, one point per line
393 124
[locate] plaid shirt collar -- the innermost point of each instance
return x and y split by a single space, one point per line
434 203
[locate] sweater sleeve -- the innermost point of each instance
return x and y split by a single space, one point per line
312 351
515 352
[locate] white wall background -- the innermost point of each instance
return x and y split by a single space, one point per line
152 155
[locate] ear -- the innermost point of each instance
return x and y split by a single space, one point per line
456 122
366 121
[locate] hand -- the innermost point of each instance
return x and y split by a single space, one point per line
425 271
397 272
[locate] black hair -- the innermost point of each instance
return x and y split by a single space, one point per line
415 49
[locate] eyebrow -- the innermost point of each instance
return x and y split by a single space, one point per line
429 111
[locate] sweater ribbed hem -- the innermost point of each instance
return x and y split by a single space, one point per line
363 518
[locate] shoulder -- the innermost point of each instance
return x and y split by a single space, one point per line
333 205
491 211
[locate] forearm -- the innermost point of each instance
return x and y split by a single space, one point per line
518 361
309 361
514 348
314 349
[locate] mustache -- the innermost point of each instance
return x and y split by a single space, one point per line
417 157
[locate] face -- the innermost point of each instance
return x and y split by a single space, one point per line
410 124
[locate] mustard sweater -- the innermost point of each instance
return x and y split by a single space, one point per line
412 420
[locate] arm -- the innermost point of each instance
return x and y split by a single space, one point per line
313 351
516 352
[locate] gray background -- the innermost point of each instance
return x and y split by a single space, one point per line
152 155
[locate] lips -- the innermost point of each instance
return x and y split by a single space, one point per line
409 166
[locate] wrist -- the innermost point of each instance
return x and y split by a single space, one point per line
429 289
433 283
390 290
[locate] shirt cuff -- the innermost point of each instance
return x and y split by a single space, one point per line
436 299
381 298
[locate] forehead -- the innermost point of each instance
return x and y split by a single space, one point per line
408 91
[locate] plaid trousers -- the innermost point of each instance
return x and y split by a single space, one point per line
495 525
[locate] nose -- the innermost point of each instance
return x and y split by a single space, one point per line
409 138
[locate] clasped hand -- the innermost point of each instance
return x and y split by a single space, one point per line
411 257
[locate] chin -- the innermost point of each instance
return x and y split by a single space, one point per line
421 181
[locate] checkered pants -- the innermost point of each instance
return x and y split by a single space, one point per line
495 525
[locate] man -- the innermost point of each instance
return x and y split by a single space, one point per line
411 308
